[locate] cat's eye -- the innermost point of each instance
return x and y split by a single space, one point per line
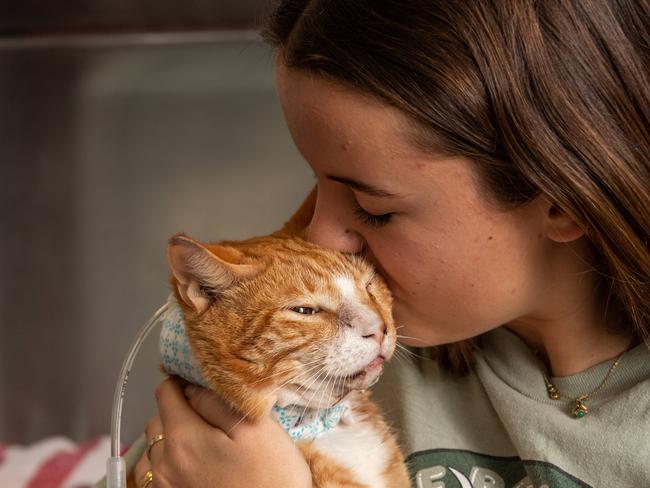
368 218
305 310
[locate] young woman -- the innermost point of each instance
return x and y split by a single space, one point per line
492 158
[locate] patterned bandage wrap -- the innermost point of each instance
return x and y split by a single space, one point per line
177 358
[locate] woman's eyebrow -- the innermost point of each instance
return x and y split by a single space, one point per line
362 187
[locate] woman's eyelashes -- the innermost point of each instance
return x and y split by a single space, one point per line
368 218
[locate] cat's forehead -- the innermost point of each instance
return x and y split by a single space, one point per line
341 270
297 253
346 288
332 280
312 268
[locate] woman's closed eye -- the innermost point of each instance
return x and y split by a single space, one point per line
368 218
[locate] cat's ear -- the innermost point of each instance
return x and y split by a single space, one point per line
200 269
297 224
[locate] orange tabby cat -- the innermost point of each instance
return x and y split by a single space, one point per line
278 320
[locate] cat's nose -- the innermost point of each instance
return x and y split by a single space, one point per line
375 332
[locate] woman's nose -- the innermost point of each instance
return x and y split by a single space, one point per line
328 230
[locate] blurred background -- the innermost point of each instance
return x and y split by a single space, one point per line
122 122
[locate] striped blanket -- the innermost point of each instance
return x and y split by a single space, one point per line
54 462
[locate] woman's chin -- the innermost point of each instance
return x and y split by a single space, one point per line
410 331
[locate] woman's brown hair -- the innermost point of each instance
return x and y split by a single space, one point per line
546 97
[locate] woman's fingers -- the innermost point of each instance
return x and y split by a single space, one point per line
196 451
154 427
213 409
206 406
175 413
141 468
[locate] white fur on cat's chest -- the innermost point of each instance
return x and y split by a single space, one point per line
359 447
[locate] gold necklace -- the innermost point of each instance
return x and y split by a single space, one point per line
580 408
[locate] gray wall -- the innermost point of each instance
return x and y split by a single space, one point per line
107 148
37 17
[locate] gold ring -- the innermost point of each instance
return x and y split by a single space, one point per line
147 480
152 441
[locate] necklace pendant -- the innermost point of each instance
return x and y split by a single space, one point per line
579 409
553 392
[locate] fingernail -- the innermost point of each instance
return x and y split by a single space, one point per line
190 390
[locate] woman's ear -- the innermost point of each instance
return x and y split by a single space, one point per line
561 227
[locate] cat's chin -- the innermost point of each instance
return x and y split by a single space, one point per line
330 390
367 376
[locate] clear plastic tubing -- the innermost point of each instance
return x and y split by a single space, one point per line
115 466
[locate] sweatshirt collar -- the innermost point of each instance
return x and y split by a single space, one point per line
517 365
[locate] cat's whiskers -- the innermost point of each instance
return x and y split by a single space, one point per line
265 397
307 387
302 415
403 349
321 389
335 388
315 390
401 356
329 393
311 349
324 390
265 378
313 380
308 372
294 378
304 410
397 356
307 383
340 379
337 379
409 337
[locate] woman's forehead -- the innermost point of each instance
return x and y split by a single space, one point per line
338 123
343 111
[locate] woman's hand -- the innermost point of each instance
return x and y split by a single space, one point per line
207 445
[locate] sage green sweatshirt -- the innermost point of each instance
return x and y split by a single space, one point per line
497 427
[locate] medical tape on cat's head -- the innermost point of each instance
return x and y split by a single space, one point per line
175 351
